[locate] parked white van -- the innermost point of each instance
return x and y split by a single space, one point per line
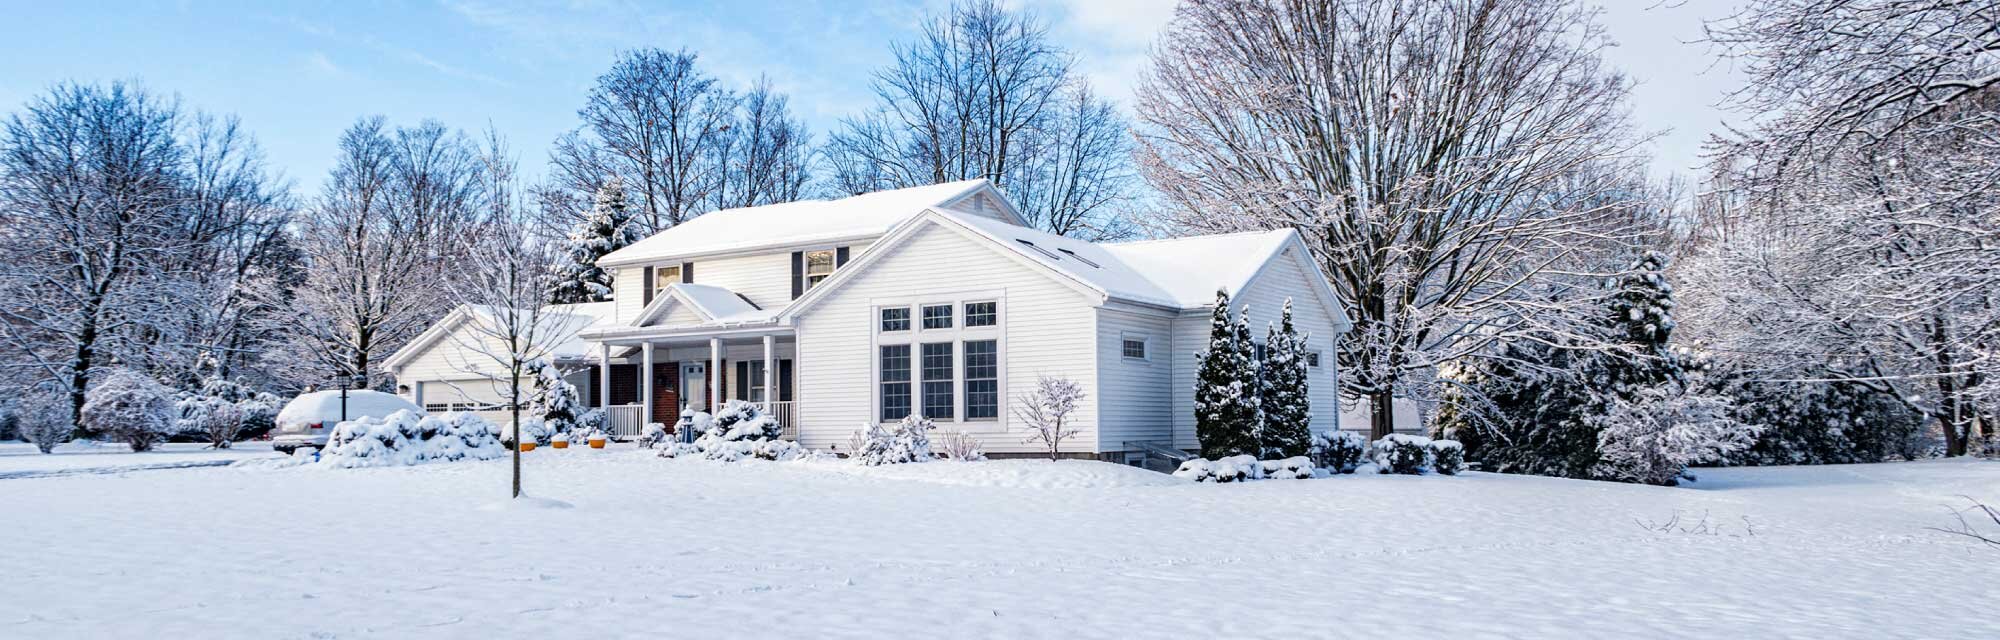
308 419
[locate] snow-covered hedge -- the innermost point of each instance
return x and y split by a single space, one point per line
1447 457
1339 451
538 432
129 407
1293 468
214 419
1402 453
908 441
1230 469
408 438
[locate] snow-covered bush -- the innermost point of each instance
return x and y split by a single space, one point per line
537 432
653 436
739 420
1046 411
1402 453
129 407
1237 468
555 402
407 438
214 419
259 410
10 422
960 446
1339 451
1447 457
1653 437
1293 468
908 441
740 431
593 423
44 420
734 450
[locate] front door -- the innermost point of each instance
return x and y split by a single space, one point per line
694 386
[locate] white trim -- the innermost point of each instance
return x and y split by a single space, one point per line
907 230
1145 341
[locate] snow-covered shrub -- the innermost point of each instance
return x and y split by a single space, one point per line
1653 437
555 402
214 419
10 422
960 446
739 420
593 423
734 450
740 431
1293 468
537 432
44 420
653 436
908 441
1339 451
407 438
1402 453
129 407
1046 411
1447 457
1237 468
259 409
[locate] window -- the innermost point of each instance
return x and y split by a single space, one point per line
1312 358
937 316
895 382
982 379
937 381
819 266
896 319
753 373
982 314
1134 348
664 276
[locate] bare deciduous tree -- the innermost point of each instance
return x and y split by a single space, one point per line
1444 159
656 120
985 94
1046 411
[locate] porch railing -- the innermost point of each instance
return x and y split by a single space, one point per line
787 413
623 420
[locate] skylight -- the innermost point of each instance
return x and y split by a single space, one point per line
1080 258
1046 252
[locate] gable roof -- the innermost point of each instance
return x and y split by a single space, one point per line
801 222
1189 269
715 305
567 321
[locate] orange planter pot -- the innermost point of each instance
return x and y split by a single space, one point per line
559 444
596 443
527 446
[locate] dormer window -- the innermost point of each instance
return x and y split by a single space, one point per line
664 276
819 266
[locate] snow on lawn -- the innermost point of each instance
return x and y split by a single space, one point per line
20 459
690 548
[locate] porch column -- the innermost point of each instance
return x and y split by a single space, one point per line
604 376
770 374
715 373
646 384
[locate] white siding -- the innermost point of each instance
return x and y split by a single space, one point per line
628 290
1285 277
679 314
980 204
1134 397
766 279
1046 328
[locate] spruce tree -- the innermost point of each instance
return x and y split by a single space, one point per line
1287 411
1225 390
1640 315
608 228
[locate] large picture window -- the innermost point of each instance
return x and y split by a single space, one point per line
982 380
938 394
895 382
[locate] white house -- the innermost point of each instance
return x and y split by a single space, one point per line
937 300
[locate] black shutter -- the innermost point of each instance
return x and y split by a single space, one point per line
840 257
742 380
798 274
784 381
687 273
647 284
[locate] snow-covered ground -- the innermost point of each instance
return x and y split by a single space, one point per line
20 459
688 548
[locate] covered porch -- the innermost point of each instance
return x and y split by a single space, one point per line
654 379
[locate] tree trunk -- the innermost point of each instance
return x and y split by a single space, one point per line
79 372
520 435
1381 414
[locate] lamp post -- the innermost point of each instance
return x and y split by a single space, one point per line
345 383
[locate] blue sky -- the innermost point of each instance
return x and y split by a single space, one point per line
299 72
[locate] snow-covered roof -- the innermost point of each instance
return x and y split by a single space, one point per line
1189 269
716 305
565 321
791 223
1179 272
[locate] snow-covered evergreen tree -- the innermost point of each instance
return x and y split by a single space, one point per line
1225 388
609 228
1641 318
1287 411
555 401
1652 436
